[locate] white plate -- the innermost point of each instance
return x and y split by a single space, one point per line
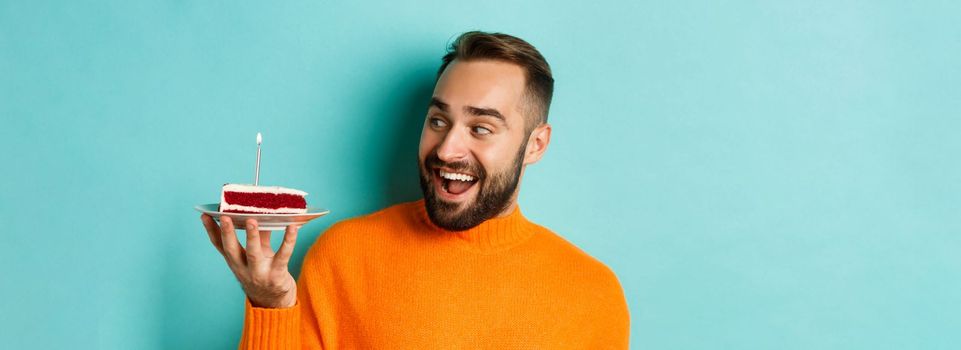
266 222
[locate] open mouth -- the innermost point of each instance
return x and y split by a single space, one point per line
454 185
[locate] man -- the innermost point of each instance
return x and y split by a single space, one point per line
461 268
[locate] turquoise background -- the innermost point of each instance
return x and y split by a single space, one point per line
760 175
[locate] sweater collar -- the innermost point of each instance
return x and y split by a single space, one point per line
495 234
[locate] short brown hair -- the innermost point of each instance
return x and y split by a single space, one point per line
476 45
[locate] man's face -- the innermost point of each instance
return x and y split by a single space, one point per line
472 144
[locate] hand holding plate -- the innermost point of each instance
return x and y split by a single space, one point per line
262 273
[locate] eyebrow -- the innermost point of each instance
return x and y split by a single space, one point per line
471 110
478 111
434 102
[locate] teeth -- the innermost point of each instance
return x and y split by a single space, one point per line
456 176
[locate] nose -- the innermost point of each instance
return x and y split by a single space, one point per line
453 147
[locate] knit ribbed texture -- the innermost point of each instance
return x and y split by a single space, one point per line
393 280
271 328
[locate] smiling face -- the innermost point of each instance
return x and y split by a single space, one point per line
474 144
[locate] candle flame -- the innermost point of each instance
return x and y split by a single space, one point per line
259 139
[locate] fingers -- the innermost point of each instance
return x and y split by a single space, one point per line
254 245
287 248
265 247
233 252
213 232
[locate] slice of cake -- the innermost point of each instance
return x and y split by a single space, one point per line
236 198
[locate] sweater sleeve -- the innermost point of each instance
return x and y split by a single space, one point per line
613 319
296 327
271 328
299 326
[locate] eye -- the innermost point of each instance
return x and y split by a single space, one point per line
480 130
436 122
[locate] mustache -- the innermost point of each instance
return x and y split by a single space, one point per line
433 161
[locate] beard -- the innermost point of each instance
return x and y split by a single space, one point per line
493 196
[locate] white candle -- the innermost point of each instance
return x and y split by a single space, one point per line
257 170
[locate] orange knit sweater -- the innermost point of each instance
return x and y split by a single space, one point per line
393 280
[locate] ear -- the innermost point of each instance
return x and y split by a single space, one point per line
537 144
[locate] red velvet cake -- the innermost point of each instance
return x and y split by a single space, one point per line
251 199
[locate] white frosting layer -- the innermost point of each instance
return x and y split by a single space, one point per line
226 207
262 189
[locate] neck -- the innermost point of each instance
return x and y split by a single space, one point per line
507 211
513 203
